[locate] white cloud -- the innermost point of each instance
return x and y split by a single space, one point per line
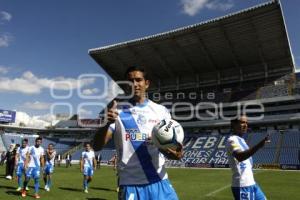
5 16
33 121
192 7
90 91
217 5
3 70
28 83
37 105
83 113
5 39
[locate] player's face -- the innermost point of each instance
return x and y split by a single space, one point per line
242 125
140 84
38 142
24 144
87 147
50 147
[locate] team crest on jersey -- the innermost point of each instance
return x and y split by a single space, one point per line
141 120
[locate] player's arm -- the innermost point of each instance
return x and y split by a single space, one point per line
104 134
95 163
102 137
81 164
42 159
244 155
17 158
50 156
27 159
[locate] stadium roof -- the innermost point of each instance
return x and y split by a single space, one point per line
246 45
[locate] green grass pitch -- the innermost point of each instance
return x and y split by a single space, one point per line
190 184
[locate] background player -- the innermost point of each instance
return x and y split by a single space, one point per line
140 167
240 160
87 165
34 161
49 167
20 163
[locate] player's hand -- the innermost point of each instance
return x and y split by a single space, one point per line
174 154
264 141
112 113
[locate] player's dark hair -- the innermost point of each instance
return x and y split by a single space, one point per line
25 140
137 68
87 143
38 138
51 144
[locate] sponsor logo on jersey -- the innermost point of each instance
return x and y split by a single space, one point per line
135 135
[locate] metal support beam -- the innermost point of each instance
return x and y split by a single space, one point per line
206 52
162 62
260 51
188 65
231 47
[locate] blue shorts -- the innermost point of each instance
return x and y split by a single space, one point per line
33 172
20 169
48 169
161 190
88 171
248 193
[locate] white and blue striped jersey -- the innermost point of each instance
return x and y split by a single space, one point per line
242 171
88 157
139 160
35 156
22 152
50 160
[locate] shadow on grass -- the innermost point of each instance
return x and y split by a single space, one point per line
7 187
71 189
95 199
12 192
104 189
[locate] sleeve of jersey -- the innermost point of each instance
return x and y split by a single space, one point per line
166 113
233 145
112 127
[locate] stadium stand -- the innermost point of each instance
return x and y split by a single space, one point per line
207 150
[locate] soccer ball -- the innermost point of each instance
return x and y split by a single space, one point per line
167 134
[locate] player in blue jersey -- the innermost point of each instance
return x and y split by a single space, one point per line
49 166
20 163
34 161
87 165
239 155
141 171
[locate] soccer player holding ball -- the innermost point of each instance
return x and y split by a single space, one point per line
141 170
239 156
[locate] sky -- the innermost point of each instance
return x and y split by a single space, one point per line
44 45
